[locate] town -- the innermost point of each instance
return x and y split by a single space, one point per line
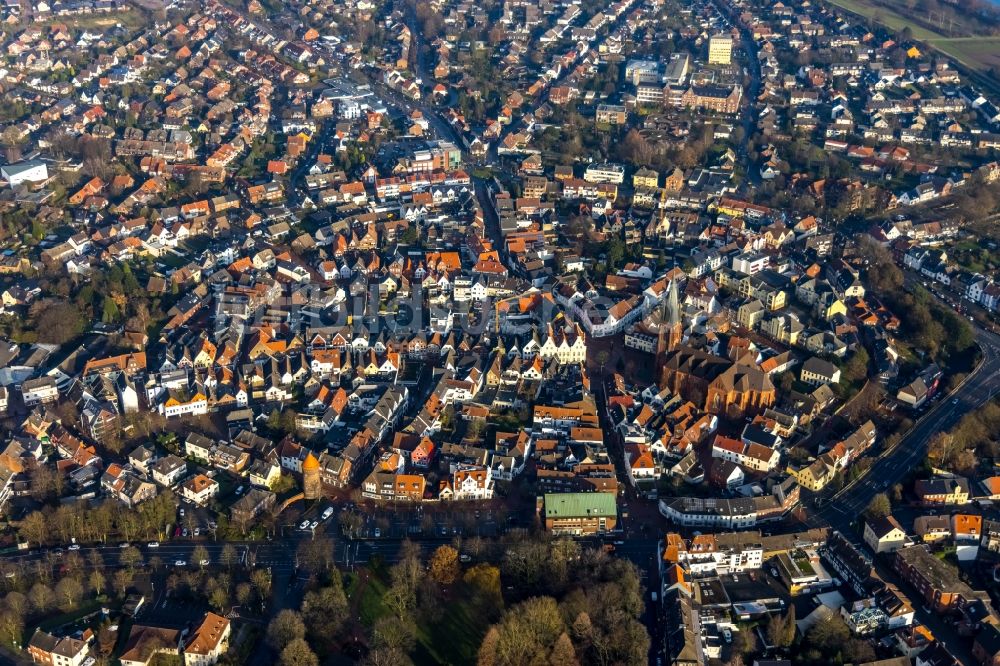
394 332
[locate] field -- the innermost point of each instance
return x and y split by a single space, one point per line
979 53
130 19
887 17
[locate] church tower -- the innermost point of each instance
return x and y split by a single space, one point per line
671 327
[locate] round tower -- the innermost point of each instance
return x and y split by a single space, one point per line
312 486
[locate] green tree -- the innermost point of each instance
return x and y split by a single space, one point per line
284 628
111 313
41 597
856 368
11 625
97 581
199 555
228 557
828 636
68 594
298 653
879 507
325 610
444 567
261 581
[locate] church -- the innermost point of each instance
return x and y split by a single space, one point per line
719 385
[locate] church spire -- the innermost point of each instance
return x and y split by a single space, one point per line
673 305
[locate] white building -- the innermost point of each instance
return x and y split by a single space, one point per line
39 391
30 171
169 470
605 173
209 642
200 489
472 483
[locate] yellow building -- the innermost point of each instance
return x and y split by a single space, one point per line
720 50
815 476
646 178
838 307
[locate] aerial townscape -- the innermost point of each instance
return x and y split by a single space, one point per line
500 333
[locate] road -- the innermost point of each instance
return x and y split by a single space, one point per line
748 118
295 184
841 510
566 74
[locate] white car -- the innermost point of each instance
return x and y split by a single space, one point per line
328 512
314 525
304 525
153 544
75 546
180 563
124 545
204 563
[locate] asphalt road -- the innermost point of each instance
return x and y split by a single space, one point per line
841 510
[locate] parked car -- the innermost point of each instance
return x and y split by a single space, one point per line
75 546
153 544
304 525
314 525
328 512
180 563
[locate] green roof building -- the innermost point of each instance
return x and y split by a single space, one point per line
580 513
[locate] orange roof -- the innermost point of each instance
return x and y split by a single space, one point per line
208 635
992 484
310 464
674 545
964 523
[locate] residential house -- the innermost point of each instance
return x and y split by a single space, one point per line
199 489
208 642
884 534
44 648
946 490
169 470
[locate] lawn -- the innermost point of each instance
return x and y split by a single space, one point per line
171 260
456 638
56 621
369 604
